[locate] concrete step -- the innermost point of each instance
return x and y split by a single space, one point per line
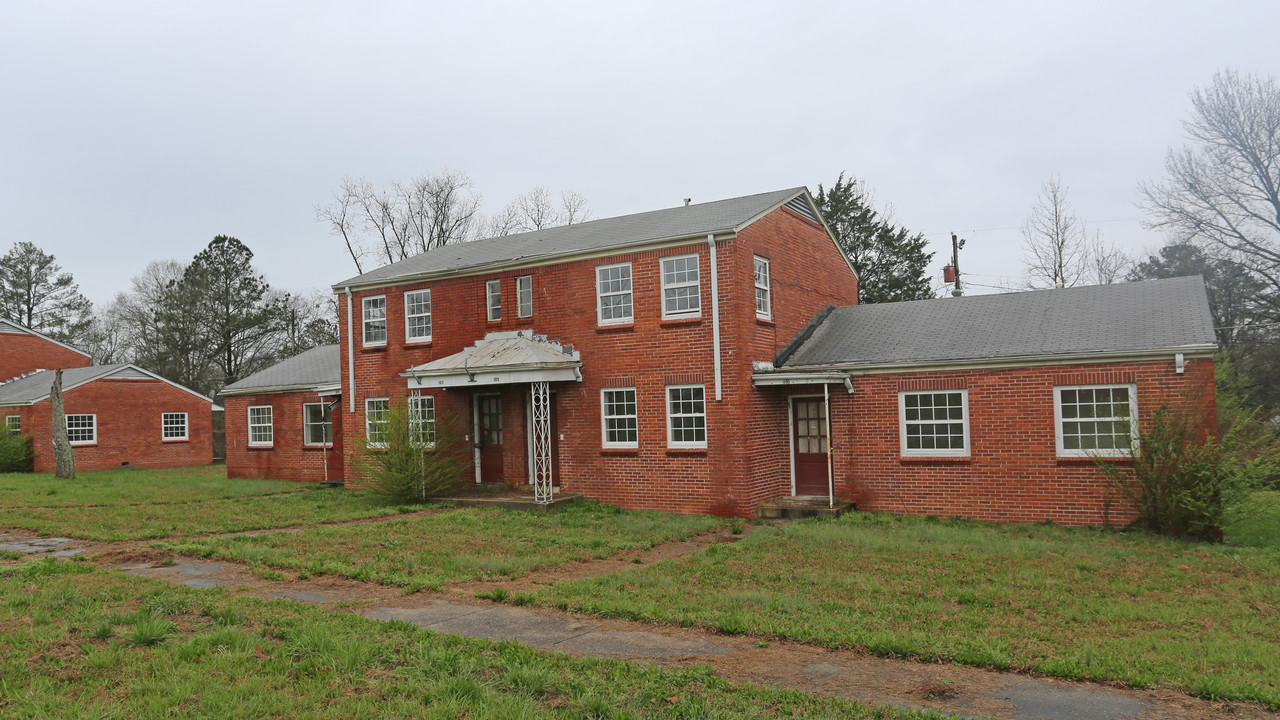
803 506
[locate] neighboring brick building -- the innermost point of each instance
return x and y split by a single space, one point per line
23 350
684 360
280 423
116 415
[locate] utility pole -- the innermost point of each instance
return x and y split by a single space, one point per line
956 244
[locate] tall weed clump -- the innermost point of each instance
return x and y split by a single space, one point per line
413 456
17 453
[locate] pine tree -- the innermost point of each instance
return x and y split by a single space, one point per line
34 292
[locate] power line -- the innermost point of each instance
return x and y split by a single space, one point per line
1019 227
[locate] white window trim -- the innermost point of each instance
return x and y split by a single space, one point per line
410 338
604 421
767 287
368 424
706 426
364 321
520 309
662 273
489 295
628 320
307 425
186 431
13 423
967 451
91 441
270 425
414 420
1105 452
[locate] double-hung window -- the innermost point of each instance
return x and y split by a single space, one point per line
377 413
686 416
375 320
680 289
317 424
934 423
422 420
524 296
417 316
1095 420
613 294
493 299
764 298
173 426
260 428
82 429
618 411
13 423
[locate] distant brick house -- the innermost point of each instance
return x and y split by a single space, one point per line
23 350
690 360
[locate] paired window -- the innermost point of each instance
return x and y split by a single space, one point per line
317 424
377 412
173 426
13 423
613 293
417 316
618 408
82 429
524 296
422 420
680 289
260 426
375 320
686 416
1095 420
934 423
764 302
493 299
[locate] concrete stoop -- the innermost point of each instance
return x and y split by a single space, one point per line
502 495
802 506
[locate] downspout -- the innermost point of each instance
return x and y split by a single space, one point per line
351 357
831 476
715 311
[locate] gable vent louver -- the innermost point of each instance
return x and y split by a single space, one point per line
801 206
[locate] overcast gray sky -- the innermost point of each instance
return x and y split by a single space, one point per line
134 131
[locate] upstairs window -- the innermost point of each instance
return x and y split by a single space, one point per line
934 423
524 296
82 429
681 293
613 291
493 299
618 409
417 316
260 430
1095 420
764 301
375 320
13 423
422 420
317 424
173 426
377 413
686 416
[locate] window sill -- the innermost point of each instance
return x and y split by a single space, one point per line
620 327
373 348
632 452
411 344
316 448
1076 460
767 322
680 321
175 440
686 451
935 459
260 447
84 444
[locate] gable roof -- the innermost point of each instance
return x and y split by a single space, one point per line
36 386
1135 317
318 367
10 327
689 221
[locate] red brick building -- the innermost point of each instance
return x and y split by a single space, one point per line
280 421
23 350
689 360
116 415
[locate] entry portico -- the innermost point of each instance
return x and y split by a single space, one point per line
489 369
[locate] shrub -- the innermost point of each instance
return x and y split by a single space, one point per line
414 461
16 452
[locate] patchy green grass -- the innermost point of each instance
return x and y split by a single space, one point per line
89 643
1063 602
1257 525
134 487
460 545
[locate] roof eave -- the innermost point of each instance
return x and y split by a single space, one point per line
273 389
1010 361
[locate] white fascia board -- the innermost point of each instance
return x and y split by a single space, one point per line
502 376
1085 358
325 388
798 378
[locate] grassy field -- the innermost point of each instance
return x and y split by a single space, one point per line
459 545
78 642
1064 602
127 487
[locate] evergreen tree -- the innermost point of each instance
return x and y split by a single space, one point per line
36 293
892 263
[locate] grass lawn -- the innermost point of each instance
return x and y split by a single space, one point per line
1064 602
125 487
459 545
80 642
1259 525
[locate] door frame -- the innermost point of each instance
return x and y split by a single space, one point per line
791 435
476 429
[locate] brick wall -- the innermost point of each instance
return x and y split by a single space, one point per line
21 353
128 426
288 457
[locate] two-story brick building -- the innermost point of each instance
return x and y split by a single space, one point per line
690 360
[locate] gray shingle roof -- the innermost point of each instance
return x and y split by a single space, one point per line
1121 317
36 385
316 367
684 221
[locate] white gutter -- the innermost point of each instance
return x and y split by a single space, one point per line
351 356
715 311
802 378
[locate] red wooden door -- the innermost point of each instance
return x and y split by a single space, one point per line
809 438
489 411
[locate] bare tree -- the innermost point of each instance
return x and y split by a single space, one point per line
1106 263
538 210
1222 190
1054 240
64 460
